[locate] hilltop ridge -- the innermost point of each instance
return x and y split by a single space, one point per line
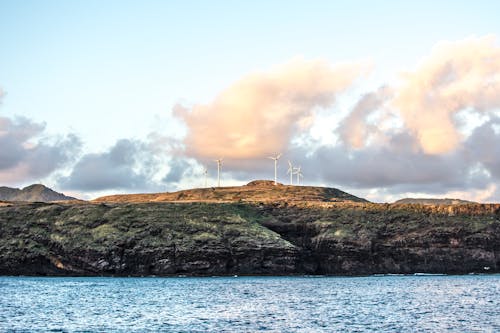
433 201
254 191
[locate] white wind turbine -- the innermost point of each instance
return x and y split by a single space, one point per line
290 171
205 173
275 158
219 164
299 174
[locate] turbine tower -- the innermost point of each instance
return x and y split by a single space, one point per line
299 174
219 164
205 172
275 158
290 171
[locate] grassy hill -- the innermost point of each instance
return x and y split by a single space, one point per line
255 191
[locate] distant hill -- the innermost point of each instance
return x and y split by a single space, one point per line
428 201
255 191
35 192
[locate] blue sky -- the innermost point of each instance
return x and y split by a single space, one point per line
106 71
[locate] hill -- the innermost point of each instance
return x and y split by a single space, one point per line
255 191
429 201
35 192
278 238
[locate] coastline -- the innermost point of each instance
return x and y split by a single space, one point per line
247 239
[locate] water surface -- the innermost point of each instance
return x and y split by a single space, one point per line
248 304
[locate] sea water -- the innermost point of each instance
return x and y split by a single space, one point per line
250 304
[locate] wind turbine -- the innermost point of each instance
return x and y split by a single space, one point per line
219 164
205 172
290 171
299 174
275 158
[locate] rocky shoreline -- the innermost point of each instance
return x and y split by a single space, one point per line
205 239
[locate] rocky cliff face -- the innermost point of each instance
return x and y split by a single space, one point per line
247 238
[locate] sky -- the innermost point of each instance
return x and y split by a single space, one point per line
384 100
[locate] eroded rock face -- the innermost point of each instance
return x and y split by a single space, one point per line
242 238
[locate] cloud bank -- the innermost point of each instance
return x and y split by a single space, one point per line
456 76
259 114
127 165
26 155
403 137
415 135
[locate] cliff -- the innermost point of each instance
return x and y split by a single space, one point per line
207 238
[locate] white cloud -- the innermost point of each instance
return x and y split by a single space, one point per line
259 114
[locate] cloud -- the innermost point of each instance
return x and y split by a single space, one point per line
408 137
125 166
456 76
259 114
381 166
480 195
179 168
400 165
354 130
401 138
26 155
483 146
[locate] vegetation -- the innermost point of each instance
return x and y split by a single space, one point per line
206 238
255 191
259 228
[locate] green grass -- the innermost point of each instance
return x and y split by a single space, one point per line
46 229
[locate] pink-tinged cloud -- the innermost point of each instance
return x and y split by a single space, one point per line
259 114
456 76
355 130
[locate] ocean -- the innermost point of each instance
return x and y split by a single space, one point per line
249 304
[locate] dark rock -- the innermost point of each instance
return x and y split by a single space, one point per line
247 239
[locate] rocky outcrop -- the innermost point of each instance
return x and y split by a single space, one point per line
247 238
